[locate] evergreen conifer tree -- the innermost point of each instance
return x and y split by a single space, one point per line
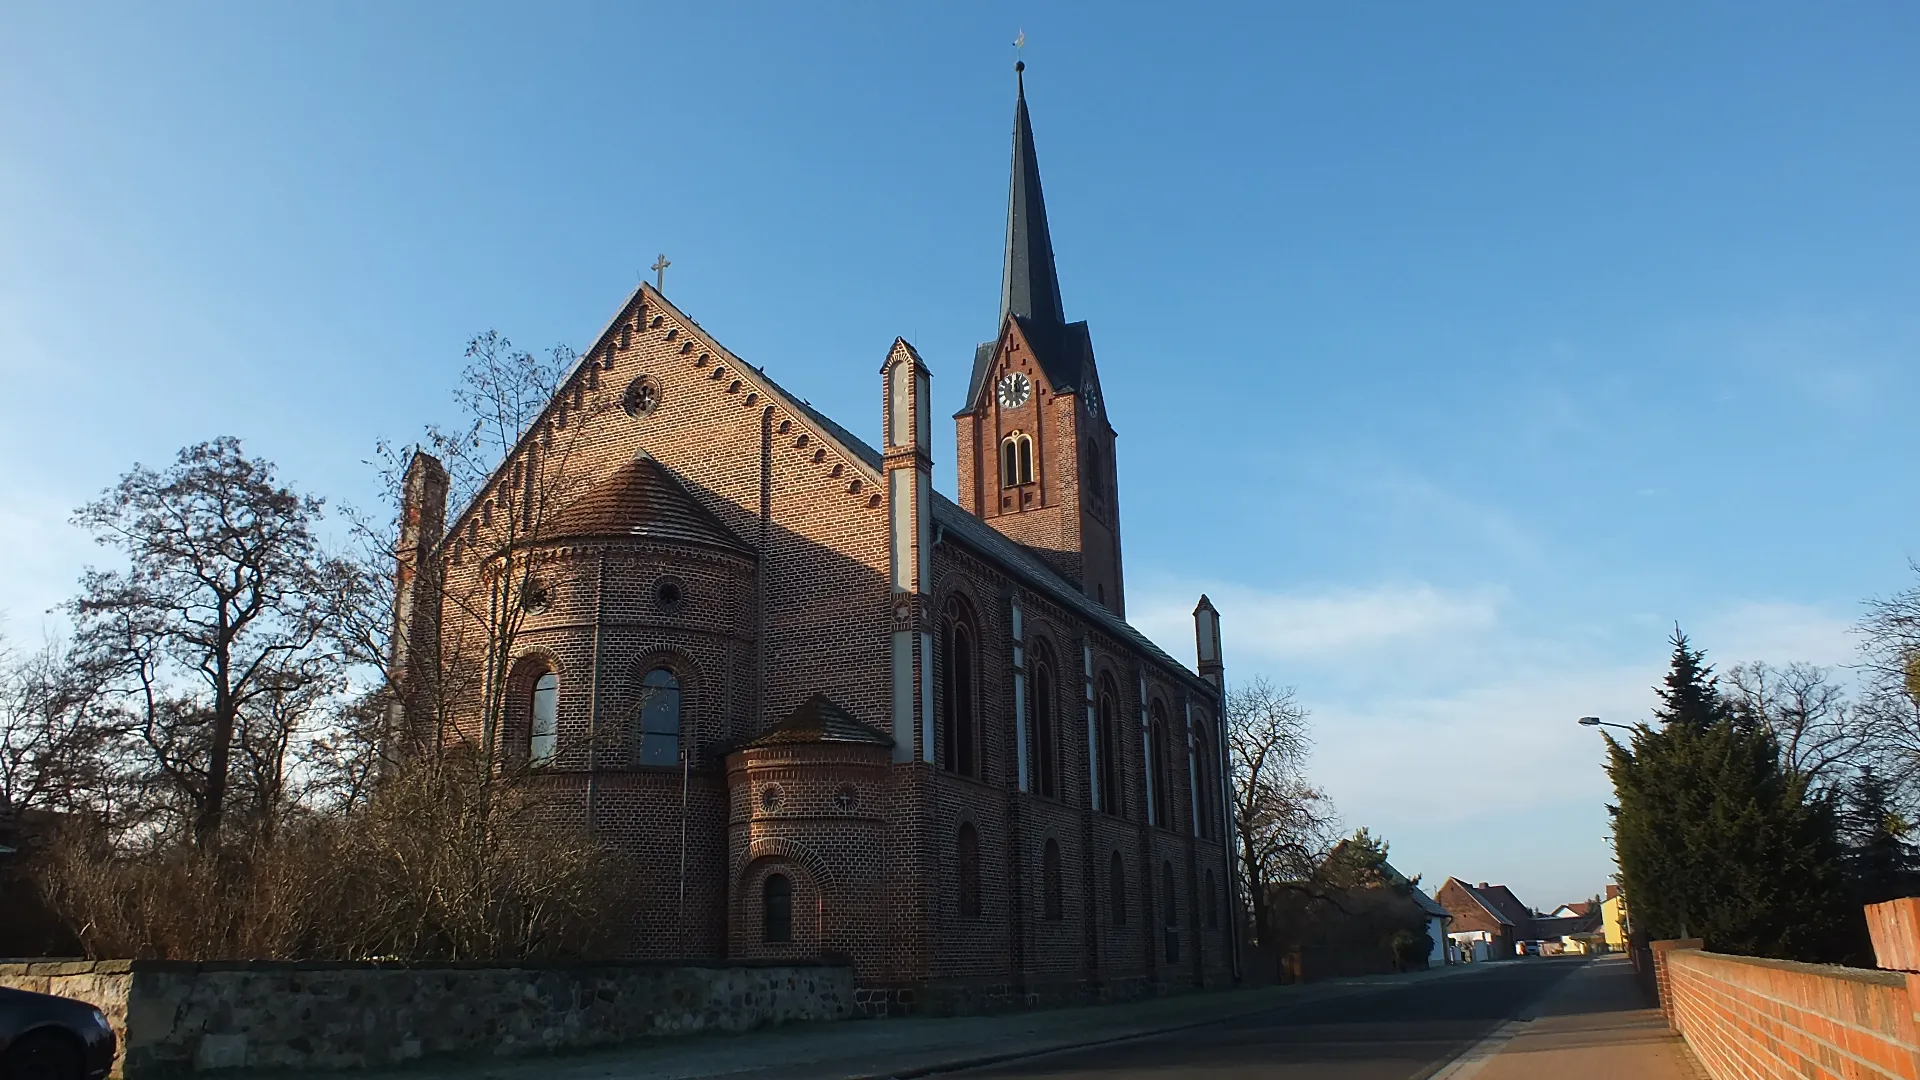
1717 838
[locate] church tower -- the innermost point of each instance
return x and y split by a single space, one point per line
1036 453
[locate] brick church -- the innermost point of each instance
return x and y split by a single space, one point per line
833 714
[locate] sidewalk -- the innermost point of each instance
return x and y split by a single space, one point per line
902 1048
1597 1024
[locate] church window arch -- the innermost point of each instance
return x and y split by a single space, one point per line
1107 745
1052 900
1016 460
959 638
1045 728
543 712
656 719
967 863
776 910
1092 470
1158 772
1206 799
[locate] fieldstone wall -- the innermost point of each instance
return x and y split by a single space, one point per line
177 1017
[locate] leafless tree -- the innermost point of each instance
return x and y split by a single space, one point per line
1286 824
215 608
1888 711
510 467
57 736
1809 715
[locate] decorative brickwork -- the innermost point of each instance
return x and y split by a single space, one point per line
848 683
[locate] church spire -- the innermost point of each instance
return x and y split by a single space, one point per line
1029 284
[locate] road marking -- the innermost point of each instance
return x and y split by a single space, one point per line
1475 1057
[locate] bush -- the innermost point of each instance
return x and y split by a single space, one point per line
441 864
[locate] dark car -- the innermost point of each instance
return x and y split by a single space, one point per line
43 1037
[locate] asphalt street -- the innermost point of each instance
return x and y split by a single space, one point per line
1400 1034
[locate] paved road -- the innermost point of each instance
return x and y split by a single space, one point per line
1399 1034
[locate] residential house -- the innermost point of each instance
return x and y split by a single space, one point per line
1478 918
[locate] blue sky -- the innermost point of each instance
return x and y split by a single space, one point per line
1457 352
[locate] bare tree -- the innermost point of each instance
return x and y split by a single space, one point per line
1286 825
1887 714
214 609
1808 714
509 466
57 737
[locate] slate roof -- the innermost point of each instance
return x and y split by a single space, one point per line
990 544
1029 283
1429 905
1064 351
819 720
1486 904
641 499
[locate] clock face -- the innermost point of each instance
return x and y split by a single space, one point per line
1014 390
1092 398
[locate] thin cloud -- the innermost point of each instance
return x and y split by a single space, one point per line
1322 624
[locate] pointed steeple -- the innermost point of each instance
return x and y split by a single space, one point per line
1029 285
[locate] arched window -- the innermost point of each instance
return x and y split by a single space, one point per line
1157 770
543 738
1213 903
1205 797
962 734
1108 719
1051 906
968 859
1016 460
1091 472
1168 917
1045 764
1117 889
776 910
657 722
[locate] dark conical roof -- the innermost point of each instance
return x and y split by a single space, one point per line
1029 285
820 720
643 500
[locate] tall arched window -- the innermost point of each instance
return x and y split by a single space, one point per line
657 721
1213 903
1157 770
1207 794
776 910
1052 905
1107 717
1167 914
962 735
1016 460
1117 889
1091 472
543 733
1045 741
967 856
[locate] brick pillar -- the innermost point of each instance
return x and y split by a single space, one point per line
1895 928
1660 977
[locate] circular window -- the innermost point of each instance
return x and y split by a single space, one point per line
770 797
846 797
535 597
641 397
668 593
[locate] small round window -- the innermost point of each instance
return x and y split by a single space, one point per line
668 593
535 596
641 398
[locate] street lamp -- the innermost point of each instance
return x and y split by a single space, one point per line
1594 721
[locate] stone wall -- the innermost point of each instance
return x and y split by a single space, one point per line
179 1017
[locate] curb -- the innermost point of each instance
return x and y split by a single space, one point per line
983 1060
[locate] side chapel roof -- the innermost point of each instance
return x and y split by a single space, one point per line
641 499
819 719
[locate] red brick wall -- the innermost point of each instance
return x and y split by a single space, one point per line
1750 1018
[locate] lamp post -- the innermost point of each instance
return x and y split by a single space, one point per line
1594 721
